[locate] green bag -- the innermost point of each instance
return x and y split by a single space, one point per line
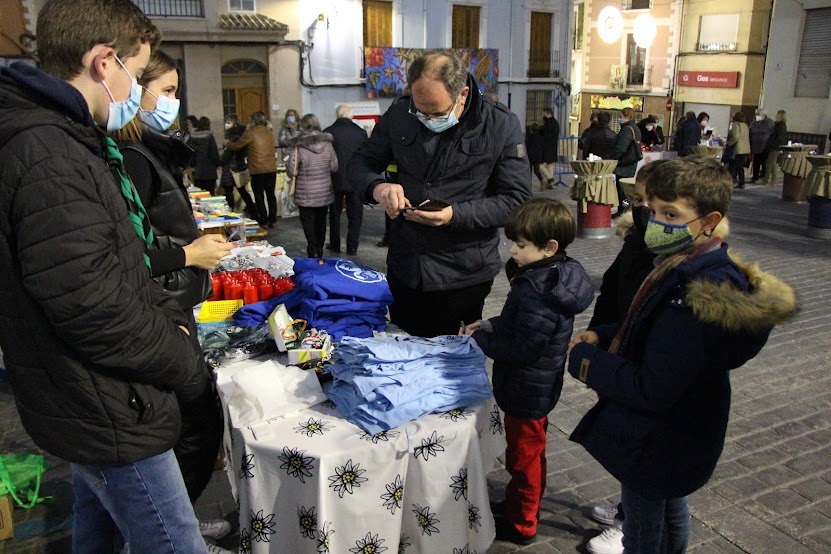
17 471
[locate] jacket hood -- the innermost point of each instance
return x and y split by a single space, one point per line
573 289
310 140
769 301
43 88
30 98
201 134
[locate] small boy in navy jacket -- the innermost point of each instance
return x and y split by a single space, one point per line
528 343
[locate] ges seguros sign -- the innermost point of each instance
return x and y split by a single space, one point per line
709 79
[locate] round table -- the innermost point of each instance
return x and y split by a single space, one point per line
818 192
595 192
795 167
706 150
627 185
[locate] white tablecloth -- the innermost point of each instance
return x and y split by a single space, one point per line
315 483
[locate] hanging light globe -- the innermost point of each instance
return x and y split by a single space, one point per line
644 30
609 24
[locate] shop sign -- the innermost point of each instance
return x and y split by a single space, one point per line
709 79
615 102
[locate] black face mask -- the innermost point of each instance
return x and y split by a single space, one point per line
640 217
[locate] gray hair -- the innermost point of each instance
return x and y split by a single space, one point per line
343 111
443 66
761 111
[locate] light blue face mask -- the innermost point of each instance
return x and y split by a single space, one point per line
121 113
438 124
163 116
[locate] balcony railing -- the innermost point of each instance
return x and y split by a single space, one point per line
171 8
544 64
716 46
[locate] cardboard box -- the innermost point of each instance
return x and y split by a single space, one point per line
302 355
6 522
278 321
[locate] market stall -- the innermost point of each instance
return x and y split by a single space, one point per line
329 454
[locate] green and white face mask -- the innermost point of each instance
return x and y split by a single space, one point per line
666 238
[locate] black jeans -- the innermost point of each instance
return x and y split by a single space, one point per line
737 169
354 216
206 184
759 165
263 186
433 313
313 221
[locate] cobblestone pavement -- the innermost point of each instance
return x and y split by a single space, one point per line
772 489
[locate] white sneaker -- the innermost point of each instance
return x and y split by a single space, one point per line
214 528
215 548
605 513
610 541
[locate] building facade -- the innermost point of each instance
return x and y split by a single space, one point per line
798 65
624 56
721 62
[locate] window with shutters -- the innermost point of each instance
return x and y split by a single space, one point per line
539 53
813 75
465 27
377 23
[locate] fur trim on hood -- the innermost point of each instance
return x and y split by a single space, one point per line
770 301
308 138
625 224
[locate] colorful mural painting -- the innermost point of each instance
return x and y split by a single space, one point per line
386 69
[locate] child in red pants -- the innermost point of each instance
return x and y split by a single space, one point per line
528 343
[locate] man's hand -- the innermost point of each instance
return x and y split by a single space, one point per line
433 219
391 197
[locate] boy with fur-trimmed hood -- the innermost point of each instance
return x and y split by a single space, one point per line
662 375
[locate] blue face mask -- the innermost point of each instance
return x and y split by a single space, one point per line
163 116
291 119
438 124
121 113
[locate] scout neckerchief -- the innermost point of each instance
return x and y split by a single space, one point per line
138 215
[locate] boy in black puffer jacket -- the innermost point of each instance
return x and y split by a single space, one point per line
528 343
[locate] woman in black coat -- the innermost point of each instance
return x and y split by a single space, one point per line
205 156
179 259
534 147
778 138
550 138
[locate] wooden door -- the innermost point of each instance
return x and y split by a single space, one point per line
250 100
539 62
